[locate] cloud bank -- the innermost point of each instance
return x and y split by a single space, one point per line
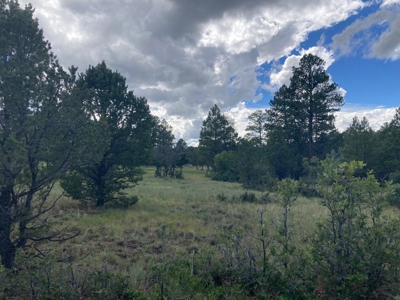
185 56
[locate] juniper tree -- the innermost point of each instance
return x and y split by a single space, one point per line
127 126
41 129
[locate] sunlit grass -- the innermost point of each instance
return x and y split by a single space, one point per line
176 220
191 212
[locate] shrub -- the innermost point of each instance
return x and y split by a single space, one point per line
356 247
248 197
222 197
47 279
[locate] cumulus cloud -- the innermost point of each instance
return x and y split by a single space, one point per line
185 56
282 76
390 2
365 34
376 116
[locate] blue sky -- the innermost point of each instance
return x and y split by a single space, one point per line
186 56
369 82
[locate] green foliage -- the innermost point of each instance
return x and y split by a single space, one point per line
225 166
317 98
43 128
256 127
301 120
289 257
126 125
355 243
123 202
216 135
48 279
308 182
252 166
167 156
386 154
358 141
248 197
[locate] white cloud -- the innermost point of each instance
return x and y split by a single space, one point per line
275 29
362 34
282 76
239 114
390 2
185 56
376 116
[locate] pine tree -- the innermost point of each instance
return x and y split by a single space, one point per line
301 116
216 135
316 99
256 127
358 141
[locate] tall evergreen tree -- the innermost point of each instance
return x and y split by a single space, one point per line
216 135
316 98
301 116
256 127
163 152
286 139
358 141
41 124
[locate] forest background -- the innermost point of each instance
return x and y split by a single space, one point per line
69 137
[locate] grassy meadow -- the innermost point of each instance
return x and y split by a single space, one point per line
189 209
190 238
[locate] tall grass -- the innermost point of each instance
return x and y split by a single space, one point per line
191 222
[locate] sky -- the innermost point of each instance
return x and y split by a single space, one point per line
184 56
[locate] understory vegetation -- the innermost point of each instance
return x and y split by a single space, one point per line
201 239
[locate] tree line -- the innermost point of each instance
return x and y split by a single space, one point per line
288 139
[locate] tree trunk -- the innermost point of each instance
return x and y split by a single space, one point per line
100 193
7 247
101 172
310 130
101 197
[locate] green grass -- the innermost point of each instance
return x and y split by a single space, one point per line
189 208
178 224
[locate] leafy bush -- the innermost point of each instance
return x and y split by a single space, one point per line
356 247
394 198
179 174
248 197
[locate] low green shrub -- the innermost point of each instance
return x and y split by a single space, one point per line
48 279
248 197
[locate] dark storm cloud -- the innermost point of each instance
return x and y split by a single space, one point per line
184 17
185 55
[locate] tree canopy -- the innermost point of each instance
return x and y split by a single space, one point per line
301 115
127 137
41 129
216 135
